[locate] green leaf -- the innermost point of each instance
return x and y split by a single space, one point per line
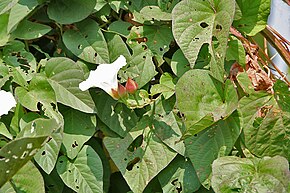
15 154
236 52
83 174
4 131
70 11
30 30
199 22
39 90
254 16
152 13
267 127
282 95
79 127
19 12
64 75
46 157
204 147
28 179
140 66
4 36
120 27
115 115
141 163
233 174
87 42
157 37
179 64
166 86
6 5
166 126
179 176
53 182
212 100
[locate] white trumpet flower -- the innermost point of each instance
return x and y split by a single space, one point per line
7 101
105 76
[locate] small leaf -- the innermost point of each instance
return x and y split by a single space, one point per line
70 11
84 174
19 11
254 16
30 30
4 36
250 174
39 90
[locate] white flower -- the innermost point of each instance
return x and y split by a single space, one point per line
7 101
105 76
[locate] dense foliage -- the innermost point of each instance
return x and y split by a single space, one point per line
206 116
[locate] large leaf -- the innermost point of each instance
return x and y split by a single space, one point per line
115 115
27 179
204 147
254 16
15 154
203 22
64 75
233 174
212 102
83 174
70 11
39 91
139 156
87 42
78 128
179 176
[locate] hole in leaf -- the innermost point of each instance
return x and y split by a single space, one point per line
61 161
43 153
69 171
50 185
132 163
144 47
150 7
49 139
53 106
125 159
218 27
215 42
96 54
129 3
195 135
80 46
2 157
173 182
86 36
144 57
161 49
203 25
136 143
77 187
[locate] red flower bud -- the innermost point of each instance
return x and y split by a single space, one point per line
131 86
120 93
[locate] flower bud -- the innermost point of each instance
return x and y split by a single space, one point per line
131 86
120 93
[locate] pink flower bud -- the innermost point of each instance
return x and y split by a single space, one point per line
120 93
131 86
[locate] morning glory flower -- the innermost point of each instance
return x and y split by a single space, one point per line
7 101
105 77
